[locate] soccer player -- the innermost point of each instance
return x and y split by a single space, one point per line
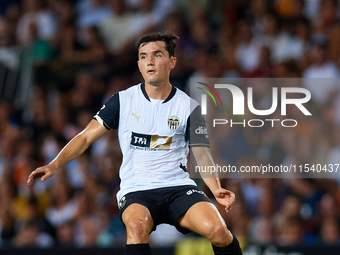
156 125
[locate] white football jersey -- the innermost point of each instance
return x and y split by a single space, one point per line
154 137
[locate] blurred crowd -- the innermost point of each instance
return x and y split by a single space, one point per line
68 57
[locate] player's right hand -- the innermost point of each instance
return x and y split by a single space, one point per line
43 173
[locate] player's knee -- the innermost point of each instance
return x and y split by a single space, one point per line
138 230
219 235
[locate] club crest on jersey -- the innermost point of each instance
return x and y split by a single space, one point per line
173 122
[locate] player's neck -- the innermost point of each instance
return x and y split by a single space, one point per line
160 91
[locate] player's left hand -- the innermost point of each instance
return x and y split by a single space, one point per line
225 198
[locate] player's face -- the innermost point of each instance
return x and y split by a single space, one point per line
154 63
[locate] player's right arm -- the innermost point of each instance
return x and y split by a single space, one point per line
73 149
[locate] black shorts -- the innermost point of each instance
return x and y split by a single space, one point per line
166 205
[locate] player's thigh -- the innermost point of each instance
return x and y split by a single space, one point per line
204 219
137 218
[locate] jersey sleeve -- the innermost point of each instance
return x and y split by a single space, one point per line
196 131
108 115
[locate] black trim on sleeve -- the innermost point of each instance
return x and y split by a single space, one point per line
196 131
106 125
109 113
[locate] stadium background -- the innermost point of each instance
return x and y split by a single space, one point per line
61 60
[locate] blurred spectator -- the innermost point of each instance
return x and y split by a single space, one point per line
282 44
264 68
35 13
289 8
227 47
290 208
257 13
6 4
36 215
328 208
94 51
38 126
122 26
30 236
312 9
65 234
7 228
94 15
252 191
105 237
67 41
64 12
176 23
328 15
7 218
310 196
248 50
42 50
13 14
27 236
321 68
64 207
330 232
263 222
303 33
202 36
9 53
88 232
292 232
22 164
334 39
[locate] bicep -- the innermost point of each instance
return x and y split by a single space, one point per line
93 131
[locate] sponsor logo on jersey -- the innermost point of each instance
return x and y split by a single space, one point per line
140 140
134 115
201 131
150 141
122 202
189 192
173 123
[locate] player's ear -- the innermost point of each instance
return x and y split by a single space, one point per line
173 61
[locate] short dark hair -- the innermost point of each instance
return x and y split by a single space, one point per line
166 37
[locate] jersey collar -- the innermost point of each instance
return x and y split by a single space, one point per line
171 95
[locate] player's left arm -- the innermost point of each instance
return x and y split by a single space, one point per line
204 159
